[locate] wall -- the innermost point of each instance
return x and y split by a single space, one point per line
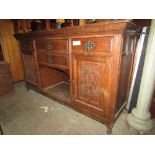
11 49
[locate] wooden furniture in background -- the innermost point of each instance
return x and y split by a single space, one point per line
85 67
6 82
1 53
11 49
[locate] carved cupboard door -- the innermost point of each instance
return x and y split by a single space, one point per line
90 85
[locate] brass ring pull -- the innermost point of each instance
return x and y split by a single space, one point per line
89 46
48 46
50 59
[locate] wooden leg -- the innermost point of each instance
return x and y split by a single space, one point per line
27 86
109 129
1 131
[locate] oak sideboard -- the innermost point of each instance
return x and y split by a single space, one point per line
87 68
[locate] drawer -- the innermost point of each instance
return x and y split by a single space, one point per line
57 45
102 44
27 47
59 60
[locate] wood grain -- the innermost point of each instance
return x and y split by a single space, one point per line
98 78
6 82
11 49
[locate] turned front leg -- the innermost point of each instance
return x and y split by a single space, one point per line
109 129
27 86
1 131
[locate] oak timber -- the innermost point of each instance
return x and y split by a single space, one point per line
94 58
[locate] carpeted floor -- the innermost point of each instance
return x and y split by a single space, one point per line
30 113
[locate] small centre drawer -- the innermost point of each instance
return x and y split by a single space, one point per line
94 44
57 45
60 60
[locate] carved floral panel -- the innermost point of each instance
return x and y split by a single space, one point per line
89 77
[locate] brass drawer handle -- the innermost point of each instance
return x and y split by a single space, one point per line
73 83
49 46
89 46
50 59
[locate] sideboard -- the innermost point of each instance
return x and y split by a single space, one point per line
87 68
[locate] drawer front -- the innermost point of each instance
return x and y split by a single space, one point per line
58 45
102 44
60 60
27 47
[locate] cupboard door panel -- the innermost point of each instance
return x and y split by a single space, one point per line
90 85
30 71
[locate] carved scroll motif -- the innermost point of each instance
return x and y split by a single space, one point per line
89 82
